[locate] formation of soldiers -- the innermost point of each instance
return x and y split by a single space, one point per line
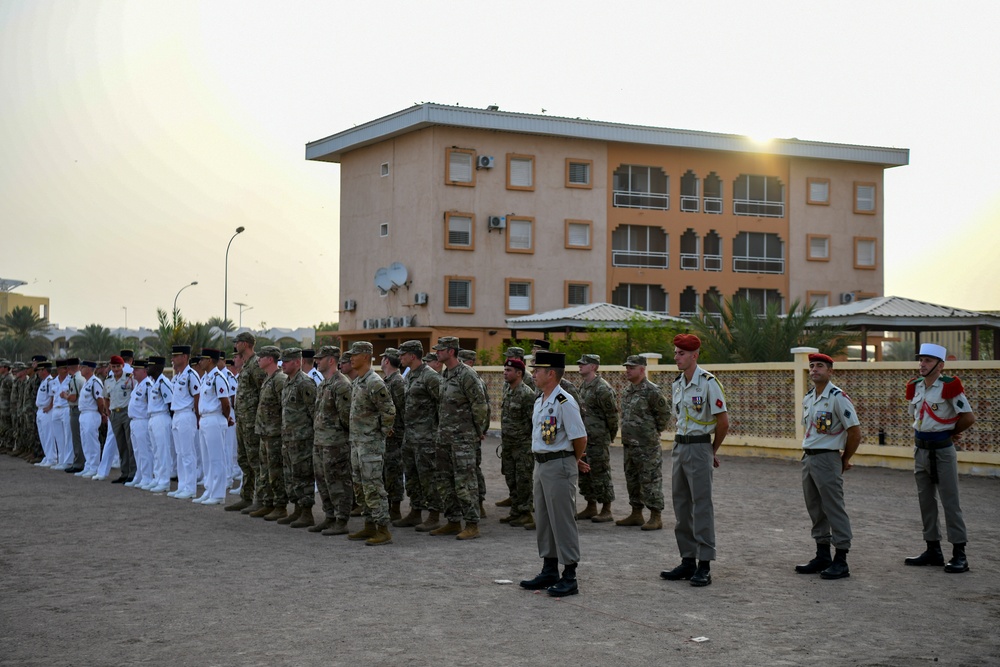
277 426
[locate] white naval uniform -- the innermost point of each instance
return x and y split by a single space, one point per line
138 412
62 436
43 420
213 434
184 427
90 423
233 469
160 433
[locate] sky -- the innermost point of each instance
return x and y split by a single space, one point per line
137 136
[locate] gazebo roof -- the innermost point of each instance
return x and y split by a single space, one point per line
604 315
896 313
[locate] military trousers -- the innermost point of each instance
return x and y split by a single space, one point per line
459 487
518 468
555 509
123 438
332 465
366 466
692 495
143 452
596 486
248 458
823 488
392 469
184 429
415 486
90 424
62 436
271 482
300 479
43 423
644 475
79 460
946 489
160 440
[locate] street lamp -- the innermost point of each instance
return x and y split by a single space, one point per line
125 308
195 282
243 307
225 295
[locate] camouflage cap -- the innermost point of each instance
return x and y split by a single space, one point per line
291 354
447 342
590 359
514 352
430 356
5 363
328 351
467 355
412 347
346 357
635 360
390 352
245 337
362 347
272 351
19 366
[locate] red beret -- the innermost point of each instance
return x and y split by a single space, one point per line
688 342
514 363
821 357
115 359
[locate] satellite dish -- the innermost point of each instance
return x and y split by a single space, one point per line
397 274
382 280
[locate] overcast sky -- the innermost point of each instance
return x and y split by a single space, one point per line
136 136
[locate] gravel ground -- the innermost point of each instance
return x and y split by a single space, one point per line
93 574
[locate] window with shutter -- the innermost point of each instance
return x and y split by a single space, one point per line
578 173
865 251
520 172
864 198
518 295
459 167
578 234
460 294
520 235
819 248
459 231
818 191
577 294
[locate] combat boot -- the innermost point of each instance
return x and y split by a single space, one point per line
838 568
356 510
289 518
958 562
339 527
450 528
567 583
381 536
482 511
655 522
932 556
410 520
238 506
432 523
261 511
471 531
278 512
320 527
510 518
305 518
529 521
589 512
506 502
394 513
549 576
520 519
817 564
685 570
633 519
365 533
605 514
703 575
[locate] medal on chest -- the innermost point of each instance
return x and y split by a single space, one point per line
549 428
823 422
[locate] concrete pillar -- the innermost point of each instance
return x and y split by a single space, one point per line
801 371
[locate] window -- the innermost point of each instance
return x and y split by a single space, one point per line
713 251
690 201
689 303
520 172
520 235
640 246
578 173
578 234
865 253
458 166
761 298
651 298
577 293
461 294
818 191
754 252
641 187
818 299
383 229
519 295
384 169
713 194
864 198
690 251
460 231
758 196
817 248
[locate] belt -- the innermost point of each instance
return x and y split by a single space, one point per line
692 439
118 409
59 407
213 412
814 452
552 456
180 410
75 407
158 412
932 446
932 436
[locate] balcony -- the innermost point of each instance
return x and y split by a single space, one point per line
748 264
640 259
713 205
759 208
690 261
713 262
690 203
645 200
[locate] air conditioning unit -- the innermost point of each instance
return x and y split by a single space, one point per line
350 305
397 322
383 323
497 222
364 324
409 321
372 323
847 297
485 162
420 298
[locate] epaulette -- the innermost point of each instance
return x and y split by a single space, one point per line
911 388
952 387
835 391
707 375
561 398
679 376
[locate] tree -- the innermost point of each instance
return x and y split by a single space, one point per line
745 334
221 330
95 342
22 334
322 335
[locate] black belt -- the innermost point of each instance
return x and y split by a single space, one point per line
814 452
932 446
692 439
552 456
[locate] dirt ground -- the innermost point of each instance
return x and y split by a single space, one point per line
92 573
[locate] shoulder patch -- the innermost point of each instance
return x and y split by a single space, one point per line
561 398
952 387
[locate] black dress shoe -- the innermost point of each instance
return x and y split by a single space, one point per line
958 563
685 570
564 587
701 577
73 470
120 480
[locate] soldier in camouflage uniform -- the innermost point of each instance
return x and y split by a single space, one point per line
298 404
372 418
350 374
332 445
32 442
392 466
272 496
462 425
468 357
600 408
17 437
6 385
423 388
645 415
254 492
516 412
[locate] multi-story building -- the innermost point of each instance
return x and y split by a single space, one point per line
453 219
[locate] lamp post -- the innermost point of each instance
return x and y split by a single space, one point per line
243 307
195 282
125 308
225 295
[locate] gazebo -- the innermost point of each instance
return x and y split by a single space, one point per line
592 315
896 313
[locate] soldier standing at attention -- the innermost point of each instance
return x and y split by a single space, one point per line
462 425
702 423
600 408
392 467
248 446
644 417
468 357
72 397
60 418
516 411
271 493
138 413
214 418
160 431
940 411
372 417
186 389
91 399
332 444
423 389
832 425
298 404
118 389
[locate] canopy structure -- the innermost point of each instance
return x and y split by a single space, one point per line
896 313
578 318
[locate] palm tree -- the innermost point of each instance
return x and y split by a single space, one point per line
744 334
22 330
170 331
218 327
95 342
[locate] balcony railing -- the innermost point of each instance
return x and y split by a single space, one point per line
690 261
688 314
759 208
713 205
747 264
690 203
640 259
650 200
713 262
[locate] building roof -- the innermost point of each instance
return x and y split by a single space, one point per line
602 315
899 313
419 116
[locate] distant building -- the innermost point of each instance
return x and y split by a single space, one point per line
453 219
9 301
